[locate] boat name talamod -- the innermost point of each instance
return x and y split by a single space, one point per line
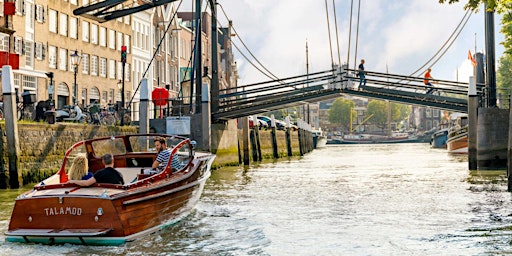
63 211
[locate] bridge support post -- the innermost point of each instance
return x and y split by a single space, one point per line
472 125
11 127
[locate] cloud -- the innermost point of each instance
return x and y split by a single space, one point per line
399 35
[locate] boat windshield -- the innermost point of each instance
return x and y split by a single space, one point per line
113 146
147 144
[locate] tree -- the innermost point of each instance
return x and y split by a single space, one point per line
499 6
503 78
378 109
339 112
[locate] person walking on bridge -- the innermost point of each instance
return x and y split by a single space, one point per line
361 74
427 82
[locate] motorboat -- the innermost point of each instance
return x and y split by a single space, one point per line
457 141
56 212
319 140
439 138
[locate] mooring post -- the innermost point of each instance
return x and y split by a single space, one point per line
11 126
206 120
273 135
258 143
300 132
254 151
245 139
144 107
472 124
288 137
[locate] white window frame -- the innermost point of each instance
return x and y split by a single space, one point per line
112 39
73 27
94 65
103 36
94 34
39 51
63 24
119 40
103 67
52 56
112 69
4 42
40 14
85 63
63 59
85 31
29 53
52 24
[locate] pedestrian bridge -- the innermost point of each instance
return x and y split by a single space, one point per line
295 91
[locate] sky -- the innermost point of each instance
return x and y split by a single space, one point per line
395 36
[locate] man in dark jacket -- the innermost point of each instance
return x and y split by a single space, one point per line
105 175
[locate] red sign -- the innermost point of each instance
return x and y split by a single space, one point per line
160 96
9 8
12 59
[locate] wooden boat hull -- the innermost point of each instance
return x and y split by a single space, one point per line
126 217
457 142
108 214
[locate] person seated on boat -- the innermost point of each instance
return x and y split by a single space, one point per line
162 158
105 175
79 168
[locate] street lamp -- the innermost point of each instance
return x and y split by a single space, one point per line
75 61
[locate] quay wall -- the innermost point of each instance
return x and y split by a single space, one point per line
492 138
42 146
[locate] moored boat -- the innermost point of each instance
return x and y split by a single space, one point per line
439 138
109 214
457 141
319 140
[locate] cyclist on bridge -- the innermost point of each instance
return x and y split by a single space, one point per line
427 82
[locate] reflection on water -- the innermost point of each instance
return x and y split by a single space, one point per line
396 199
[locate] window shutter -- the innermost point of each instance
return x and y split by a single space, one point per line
44 51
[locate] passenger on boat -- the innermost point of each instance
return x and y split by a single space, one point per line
162 158
105 175
80 168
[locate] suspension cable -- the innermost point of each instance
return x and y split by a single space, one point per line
329 31
462 22
271 75
350 32
336 28
156 50
357 33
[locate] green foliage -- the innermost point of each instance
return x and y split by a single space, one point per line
502 7
379 110
340 111
503 77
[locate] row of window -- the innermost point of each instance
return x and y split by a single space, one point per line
59 58
65 25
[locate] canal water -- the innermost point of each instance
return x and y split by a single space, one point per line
394 199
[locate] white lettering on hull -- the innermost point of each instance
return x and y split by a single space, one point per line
63 211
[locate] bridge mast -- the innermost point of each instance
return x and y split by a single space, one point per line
490 58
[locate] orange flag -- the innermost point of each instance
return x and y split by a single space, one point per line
470 57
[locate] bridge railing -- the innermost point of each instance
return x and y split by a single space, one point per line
411 83
249 94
